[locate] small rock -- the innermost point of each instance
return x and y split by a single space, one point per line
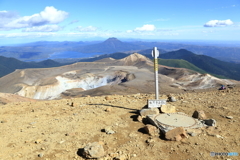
93 150
134 155
38 141
120 157
109 109
40 155
108 98
210 122
72 104
199 115
150 140
139 118
193 132
168 108
109 130
212 107
218 136
112 155
151 130
172 99
229 117
149 111
3 121
176 134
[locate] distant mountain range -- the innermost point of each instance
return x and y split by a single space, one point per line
230 54
206 63
132 74
185 59
181 59
8 65
109 46
44 49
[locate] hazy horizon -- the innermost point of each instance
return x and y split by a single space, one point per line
225 43
54 20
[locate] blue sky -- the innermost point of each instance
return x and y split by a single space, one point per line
77 20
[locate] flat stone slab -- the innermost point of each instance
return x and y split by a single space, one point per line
168 121
176 120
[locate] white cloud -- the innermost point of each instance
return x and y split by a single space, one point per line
86 29
146 27
49 15
218 23
45 28
7 15
27 35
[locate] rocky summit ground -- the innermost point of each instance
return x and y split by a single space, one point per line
60 129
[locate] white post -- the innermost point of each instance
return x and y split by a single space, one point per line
156 103
155 54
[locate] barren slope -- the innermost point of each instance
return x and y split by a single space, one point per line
132 74
59 130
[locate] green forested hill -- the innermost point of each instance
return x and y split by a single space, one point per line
179 63
206 63
8 65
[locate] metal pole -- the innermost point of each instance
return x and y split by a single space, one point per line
155 54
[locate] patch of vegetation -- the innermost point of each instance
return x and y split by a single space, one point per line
180 63
206 63
8 65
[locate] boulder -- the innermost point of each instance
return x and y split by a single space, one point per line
151 130
168 108
176 134
210 122
93 150
199 115
149 111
